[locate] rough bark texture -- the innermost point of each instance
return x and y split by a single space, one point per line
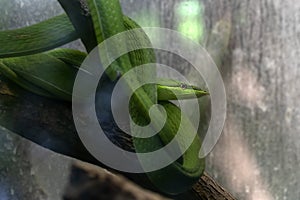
210 189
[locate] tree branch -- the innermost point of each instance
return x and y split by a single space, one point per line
91 182
49 123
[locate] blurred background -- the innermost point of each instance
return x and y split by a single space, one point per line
256 47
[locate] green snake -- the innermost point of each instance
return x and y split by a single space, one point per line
25 59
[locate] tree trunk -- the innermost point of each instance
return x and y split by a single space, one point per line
257 156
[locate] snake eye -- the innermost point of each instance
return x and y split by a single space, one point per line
183 86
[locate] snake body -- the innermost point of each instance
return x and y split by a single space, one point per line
52 74
178 176
33 39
